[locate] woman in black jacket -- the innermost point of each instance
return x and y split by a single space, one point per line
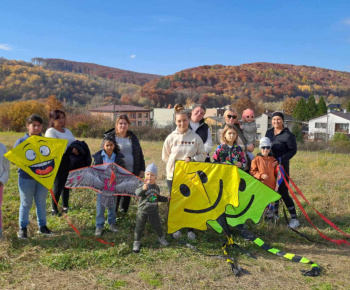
131 149
284 147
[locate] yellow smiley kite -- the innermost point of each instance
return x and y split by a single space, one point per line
200 193
40 157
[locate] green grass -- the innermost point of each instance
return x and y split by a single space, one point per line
67 261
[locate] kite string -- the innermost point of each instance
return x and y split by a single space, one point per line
306 215
74 227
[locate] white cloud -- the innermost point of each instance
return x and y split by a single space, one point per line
132 56
4 46
346 21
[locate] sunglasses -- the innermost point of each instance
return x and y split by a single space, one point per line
249 116
266 147
231 116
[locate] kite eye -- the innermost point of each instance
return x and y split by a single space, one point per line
30 154
185 191
44 150
242 185
202 176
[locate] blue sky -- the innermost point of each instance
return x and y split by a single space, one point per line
164 37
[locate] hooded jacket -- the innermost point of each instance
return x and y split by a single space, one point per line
263 165
179 146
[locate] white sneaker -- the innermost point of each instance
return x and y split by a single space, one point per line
163 241
177 235
113 228
294 223
136 247
191 235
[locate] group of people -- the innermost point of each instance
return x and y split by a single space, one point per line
190 141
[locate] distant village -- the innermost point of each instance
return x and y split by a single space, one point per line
321 128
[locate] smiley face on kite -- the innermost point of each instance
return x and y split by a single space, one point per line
45 167
40 157
200 193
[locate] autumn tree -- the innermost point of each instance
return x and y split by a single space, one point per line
321 107
299 112
311 107
242 104
289 105
52 103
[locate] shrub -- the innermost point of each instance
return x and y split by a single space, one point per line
151 133
340 137
87 125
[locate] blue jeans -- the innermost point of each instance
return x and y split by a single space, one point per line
30 189
100 213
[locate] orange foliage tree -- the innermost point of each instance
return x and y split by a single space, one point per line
52 103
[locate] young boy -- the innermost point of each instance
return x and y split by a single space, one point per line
30 189
148 208
262 168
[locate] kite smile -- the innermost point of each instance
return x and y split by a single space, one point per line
43 168
243 211
211 207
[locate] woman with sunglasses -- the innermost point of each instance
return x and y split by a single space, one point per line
133 156
284 147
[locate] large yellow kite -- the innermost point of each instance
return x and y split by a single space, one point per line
40 157
200 193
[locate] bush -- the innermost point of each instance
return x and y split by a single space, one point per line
338 137
334 147
86 125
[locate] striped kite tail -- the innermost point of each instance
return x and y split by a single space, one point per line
315 269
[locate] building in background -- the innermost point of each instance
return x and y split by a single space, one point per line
138 116
324 127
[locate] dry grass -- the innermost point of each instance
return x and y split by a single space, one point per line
66 261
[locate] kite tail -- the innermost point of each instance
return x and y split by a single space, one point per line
315 269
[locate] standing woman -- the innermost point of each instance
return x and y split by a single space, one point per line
133 156
57 130
202 129
182 144
284 147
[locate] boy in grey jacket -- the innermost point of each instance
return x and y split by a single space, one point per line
148 208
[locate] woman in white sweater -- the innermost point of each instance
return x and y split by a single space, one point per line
182 144
58 131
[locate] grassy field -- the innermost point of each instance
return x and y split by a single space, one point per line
67 261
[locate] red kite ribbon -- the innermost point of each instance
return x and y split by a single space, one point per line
306 215
74 227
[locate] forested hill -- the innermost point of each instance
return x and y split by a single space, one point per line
92 69
218 85
23 80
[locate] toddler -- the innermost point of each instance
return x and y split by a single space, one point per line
248 126
148 208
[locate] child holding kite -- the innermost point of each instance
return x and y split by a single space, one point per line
109 154
148 208
30 189
4 176
229 152
182 144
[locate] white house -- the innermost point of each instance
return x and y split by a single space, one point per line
324 127
163 117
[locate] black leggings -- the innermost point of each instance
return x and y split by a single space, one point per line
59 183
283 191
